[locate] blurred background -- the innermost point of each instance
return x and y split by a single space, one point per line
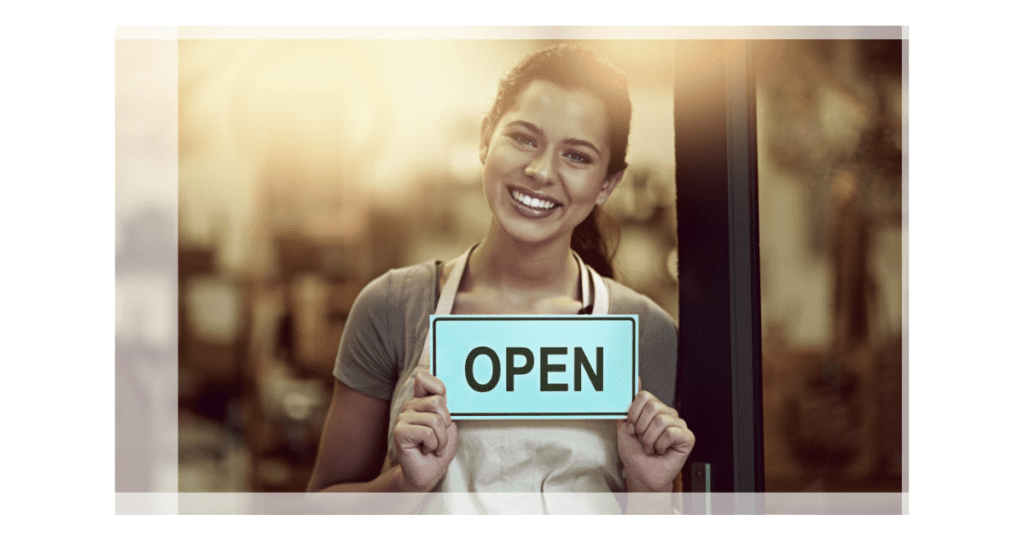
829 127
307 168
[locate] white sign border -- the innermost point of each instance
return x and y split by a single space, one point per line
434 319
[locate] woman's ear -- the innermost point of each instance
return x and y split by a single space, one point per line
609 185
485 138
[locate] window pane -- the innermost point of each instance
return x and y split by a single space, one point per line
829 127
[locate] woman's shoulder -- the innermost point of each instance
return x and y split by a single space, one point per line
401 285
658 336
624 300
416 275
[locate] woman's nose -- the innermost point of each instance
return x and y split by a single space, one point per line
541 168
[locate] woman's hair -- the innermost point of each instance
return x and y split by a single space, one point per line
577 68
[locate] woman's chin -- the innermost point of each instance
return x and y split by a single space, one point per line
527 232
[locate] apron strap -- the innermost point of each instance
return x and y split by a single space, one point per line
600 293
445 302
451 288
584 279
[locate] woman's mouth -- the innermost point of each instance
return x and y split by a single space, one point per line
533 202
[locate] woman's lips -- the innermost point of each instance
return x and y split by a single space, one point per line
533 201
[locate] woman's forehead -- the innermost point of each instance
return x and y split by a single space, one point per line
561 112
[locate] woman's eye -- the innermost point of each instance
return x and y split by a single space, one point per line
525 140
578 157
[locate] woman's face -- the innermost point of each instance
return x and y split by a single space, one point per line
545 165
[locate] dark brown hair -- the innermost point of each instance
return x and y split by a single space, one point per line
578 68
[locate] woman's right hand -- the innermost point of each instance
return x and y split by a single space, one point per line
425 434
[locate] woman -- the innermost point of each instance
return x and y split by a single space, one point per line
553 149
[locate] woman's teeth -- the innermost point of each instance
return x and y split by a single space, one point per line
532 202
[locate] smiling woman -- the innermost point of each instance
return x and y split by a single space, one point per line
544 168
596 99
553 150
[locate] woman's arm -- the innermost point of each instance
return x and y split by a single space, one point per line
353 445
354 441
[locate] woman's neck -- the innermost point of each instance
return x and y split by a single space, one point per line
503 263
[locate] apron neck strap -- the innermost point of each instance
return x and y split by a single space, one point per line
451 286
588 275
600 293
584 279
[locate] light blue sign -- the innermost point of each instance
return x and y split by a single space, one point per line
536 367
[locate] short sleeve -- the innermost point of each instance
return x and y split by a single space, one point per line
367 358
659 340
659 344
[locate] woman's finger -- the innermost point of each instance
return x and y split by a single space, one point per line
658 425
430 404
639 402
412 435
672 436
686 440
630 427
429 420
426 384
650 410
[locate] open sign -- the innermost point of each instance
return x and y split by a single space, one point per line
536 367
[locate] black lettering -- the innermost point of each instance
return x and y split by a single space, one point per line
545 368
596 379
495 372
510 367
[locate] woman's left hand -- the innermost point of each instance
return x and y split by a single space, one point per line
653 444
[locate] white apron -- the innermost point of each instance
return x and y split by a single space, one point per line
500 466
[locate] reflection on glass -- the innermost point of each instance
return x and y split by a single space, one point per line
830 161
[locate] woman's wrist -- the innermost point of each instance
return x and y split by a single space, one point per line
390 481
635 485
652 501
402 483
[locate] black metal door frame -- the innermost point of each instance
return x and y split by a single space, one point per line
719 383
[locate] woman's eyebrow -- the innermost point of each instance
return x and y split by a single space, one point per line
578 142
527 125
540 132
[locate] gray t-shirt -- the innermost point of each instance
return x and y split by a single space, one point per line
386 329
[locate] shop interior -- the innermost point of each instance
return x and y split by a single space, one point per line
308 168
